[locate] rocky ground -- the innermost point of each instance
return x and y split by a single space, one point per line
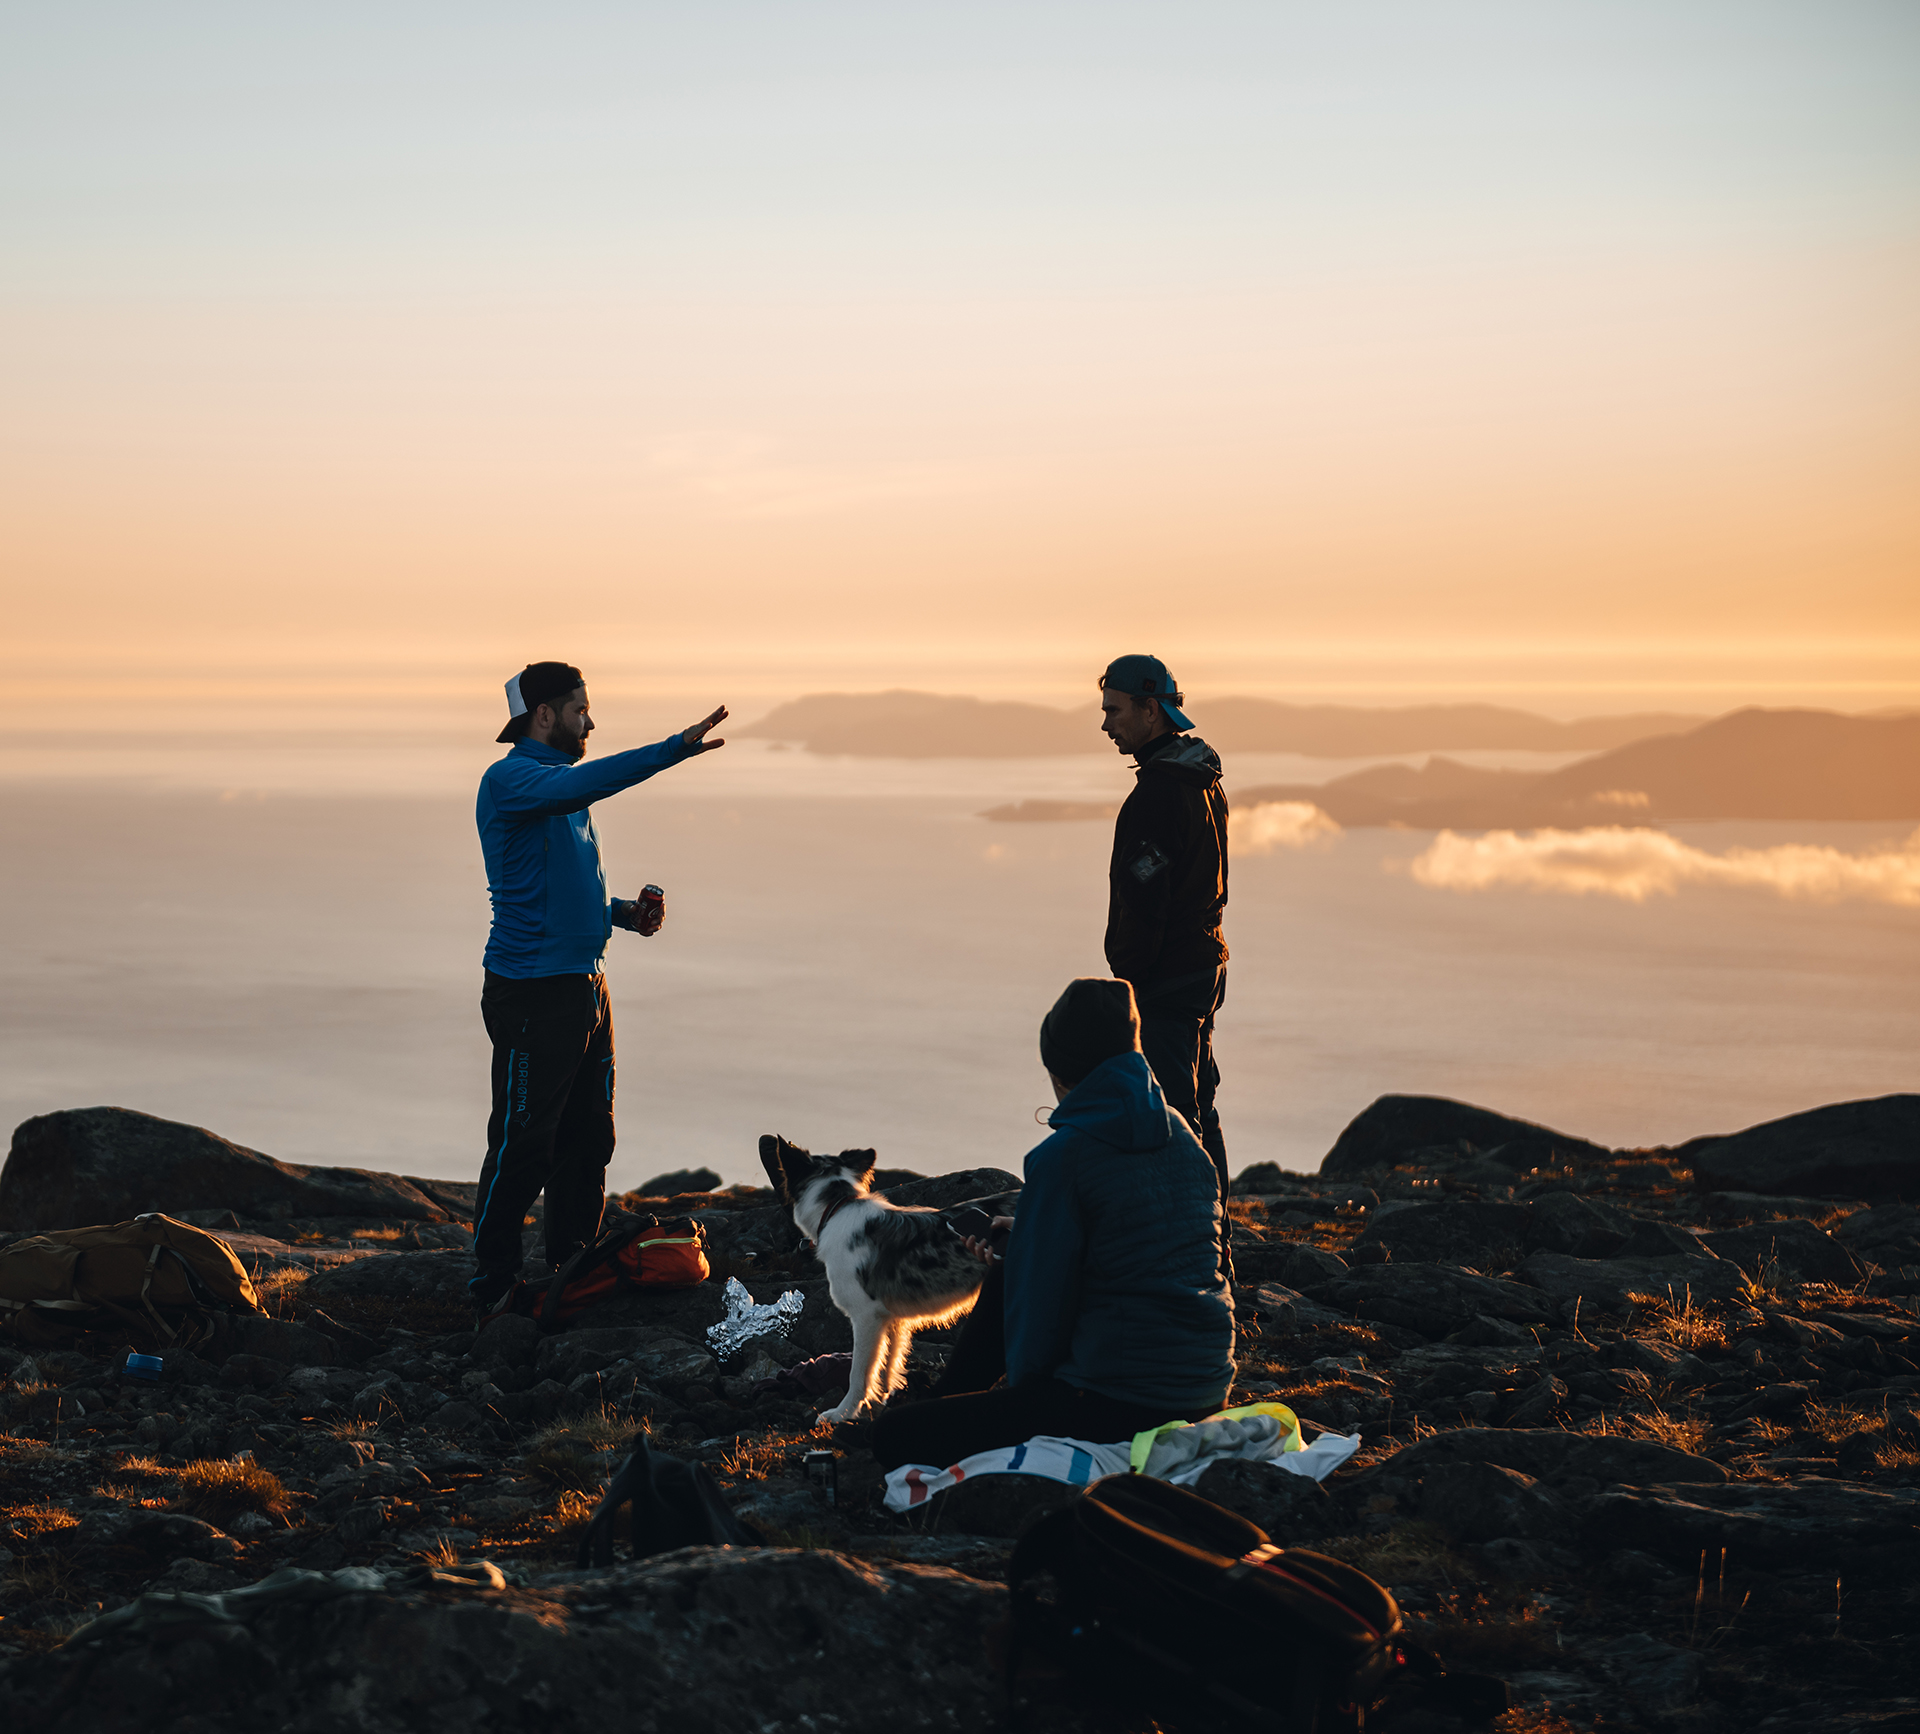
1648 1451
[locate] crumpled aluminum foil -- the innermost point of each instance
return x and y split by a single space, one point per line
747 1318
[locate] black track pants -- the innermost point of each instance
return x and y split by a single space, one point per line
552 1123
1176 1035
946 1429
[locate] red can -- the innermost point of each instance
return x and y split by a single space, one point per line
650 905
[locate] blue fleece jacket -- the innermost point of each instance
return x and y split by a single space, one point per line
1113 1271
549 890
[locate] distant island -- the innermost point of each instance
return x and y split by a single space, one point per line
1754 764
925 725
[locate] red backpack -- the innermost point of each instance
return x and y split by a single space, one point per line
640 1252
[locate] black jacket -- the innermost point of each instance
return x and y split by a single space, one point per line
1168 877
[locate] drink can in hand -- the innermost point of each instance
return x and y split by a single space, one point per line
651 905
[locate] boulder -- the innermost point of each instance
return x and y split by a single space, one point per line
275 1339
1294 1264
1551 1455
705 1638
1293 1509
1480 1501
793 1514
171 1532
1566 1222
86 1165
1431 1298
1795 1524
1609 1283
1801 1250
1398 1128
1265 1178
679 1181
1867 1149
1658 1677
738 1239
1730 1209
1890 1233
441 1276
1537 1405
1662 1240
1487 1236
1663 1361
509 1341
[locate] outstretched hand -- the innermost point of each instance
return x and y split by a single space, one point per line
695 734
983 1248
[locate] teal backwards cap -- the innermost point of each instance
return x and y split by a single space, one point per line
1147 677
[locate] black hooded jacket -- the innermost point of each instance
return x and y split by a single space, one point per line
1168 877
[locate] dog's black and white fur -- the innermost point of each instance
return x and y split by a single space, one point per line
890 1268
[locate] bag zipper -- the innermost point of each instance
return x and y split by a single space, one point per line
1264 1559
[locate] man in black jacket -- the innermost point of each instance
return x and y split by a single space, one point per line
1168 888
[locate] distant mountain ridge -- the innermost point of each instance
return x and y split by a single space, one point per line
1753 764
902 724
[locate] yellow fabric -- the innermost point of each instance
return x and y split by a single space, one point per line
1142 1447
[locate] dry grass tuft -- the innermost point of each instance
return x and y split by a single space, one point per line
1409 1553
1766 1285
1834 1421
280 1289
219 1490
574 1510
562 1466
49 1577
31 1522
572 1454
603 1429
1683 1432
127 1494
351 1429
443 1553
1476 1631
1536 1719
1684 1325
759 1459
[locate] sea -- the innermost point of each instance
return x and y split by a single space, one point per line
277 935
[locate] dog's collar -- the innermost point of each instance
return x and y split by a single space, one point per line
827 1216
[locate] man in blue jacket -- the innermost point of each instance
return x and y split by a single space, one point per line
545 998
1115 1315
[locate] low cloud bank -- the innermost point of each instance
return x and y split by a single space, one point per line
1278 825
1636 863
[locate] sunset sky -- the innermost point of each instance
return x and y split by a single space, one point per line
1562 353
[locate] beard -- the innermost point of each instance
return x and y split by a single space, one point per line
574 746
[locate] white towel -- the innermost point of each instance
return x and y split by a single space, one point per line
1078 1463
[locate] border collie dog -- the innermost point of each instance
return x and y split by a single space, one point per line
890 1268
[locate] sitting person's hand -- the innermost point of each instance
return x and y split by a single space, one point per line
983 1249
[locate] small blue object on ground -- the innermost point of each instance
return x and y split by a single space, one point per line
143 1366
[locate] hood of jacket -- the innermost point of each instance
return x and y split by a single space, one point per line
1119 1103
1189 758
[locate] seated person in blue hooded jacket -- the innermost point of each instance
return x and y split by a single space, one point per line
1114 1312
